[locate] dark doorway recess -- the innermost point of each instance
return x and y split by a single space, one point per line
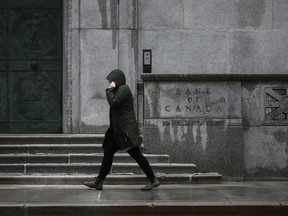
30 66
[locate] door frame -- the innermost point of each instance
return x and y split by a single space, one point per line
67 68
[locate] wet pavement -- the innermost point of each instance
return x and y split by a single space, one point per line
60 199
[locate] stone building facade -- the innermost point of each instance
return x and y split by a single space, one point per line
217 94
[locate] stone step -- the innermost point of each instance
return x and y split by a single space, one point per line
76 158
52 139
71 159
50 148
92 168
112 179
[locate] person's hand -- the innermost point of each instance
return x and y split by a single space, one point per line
112 85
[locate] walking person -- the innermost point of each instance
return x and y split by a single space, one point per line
123 133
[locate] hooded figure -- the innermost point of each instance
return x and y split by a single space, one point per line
123 132
123 124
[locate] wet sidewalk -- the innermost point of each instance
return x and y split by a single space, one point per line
229 198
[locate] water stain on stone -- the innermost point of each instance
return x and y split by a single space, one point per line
250 87
243 49
134 14
103 10
113 18
134 33
231 110
134 46
114 21
281 136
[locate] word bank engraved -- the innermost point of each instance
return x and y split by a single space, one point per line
188 100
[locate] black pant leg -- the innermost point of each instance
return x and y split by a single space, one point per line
110 148
136 154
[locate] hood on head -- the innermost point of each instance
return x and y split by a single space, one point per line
117 76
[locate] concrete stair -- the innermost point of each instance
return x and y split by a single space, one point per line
71 159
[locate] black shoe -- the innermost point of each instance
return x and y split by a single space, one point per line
97 184
150 185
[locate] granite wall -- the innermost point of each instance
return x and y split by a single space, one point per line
215 36
206 37
265 124
233 124
195 122
104 38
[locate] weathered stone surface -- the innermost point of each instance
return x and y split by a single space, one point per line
97 60
75 13
211 144
266 151
128 14
256 52
217 14
185 51
195 122
234 100
127 58
280 15
75 80
12 168
260 108
108 14
160 14
26 158
251 99
192 100
33 139
230 39
274 104
98 13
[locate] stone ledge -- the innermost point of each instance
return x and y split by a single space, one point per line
214 77
114 179
50 138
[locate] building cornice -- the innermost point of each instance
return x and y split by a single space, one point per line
215 77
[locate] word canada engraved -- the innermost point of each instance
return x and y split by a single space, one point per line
195 100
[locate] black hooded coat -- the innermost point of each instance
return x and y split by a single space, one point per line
123 124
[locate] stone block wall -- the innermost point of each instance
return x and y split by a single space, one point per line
195 122
211 37
265 125
233 124
194 37
215 36
104 38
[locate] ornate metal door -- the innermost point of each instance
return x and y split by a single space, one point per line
30 66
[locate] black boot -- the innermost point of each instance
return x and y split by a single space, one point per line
97 184
151 185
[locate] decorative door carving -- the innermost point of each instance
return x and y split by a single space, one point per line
30 66
275 104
